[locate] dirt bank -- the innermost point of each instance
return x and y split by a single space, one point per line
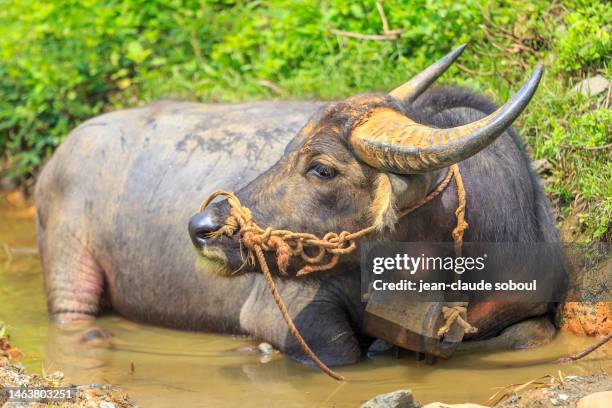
546 392
555 391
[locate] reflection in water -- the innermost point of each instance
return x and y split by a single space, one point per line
161 367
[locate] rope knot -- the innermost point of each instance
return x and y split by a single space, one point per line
455 314
230 226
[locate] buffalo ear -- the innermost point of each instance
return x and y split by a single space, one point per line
409 189
383 209
396 192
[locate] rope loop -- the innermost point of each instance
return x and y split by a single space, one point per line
286 244
455 314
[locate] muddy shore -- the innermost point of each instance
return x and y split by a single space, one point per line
559 391
13 374
592 391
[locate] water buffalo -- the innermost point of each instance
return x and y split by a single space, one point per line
114 200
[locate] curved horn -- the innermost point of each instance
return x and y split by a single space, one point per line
388 140
409 91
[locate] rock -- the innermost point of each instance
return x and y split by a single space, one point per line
592 86
265 348
443 405
106 404
542 166
595 400
55 376
379 347
395 399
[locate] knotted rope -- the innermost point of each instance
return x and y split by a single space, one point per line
287 244
455 312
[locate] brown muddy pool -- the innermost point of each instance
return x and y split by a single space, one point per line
167 368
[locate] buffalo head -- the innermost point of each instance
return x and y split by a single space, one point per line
355 164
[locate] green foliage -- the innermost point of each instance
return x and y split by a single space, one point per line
588 41
64 61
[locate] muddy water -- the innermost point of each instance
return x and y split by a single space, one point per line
161 367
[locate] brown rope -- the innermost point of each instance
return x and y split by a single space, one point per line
292 328
459 212
455 313
453 171
287 244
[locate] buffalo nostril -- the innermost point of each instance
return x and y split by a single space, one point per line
201 226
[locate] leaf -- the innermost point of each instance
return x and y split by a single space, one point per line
136 52
357 10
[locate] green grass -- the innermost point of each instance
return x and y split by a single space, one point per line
62 62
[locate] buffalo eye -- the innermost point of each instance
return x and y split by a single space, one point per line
322 171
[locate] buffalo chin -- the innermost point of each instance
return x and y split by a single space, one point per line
213 260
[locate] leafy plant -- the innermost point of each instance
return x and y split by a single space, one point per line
64 61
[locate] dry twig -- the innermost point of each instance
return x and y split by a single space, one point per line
383 17
586 351
196 48
388 35
271 86
573 147
542 382
471 71
372 37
